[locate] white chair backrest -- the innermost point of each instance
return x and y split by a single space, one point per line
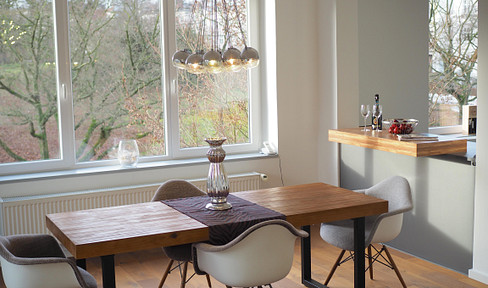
48 275
264 256
388 229
397 191
173 189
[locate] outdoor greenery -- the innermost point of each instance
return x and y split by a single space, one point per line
117 81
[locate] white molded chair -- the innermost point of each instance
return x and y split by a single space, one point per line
261 255
174 189
379 229
37 261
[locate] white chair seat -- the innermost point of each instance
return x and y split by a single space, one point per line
261 255
378 229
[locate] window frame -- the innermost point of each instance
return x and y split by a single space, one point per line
175 151
67 159
452 129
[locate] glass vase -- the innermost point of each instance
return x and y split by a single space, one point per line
128 153
217 182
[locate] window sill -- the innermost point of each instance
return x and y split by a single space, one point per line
117 169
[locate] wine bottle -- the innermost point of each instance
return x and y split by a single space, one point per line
377 122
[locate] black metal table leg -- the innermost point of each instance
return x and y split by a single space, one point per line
306 251
81 263
108 271
359 279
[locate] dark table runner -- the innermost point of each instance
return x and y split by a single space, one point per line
224 225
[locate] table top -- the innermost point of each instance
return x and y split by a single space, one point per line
385 141
113 230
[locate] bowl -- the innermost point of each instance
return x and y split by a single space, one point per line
400 125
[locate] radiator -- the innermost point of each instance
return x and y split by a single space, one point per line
26 215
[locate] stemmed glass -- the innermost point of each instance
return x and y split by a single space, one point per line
377 111
365 111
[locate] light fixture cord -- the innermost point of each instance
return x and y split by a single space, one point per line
192 15
215 32
240 25
226 10
202 35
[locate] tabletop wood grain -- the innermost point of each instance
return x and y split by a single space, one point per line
315 203
385 141
120 229
112 230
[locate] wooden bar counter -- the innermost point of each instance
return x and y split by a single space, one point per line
385 141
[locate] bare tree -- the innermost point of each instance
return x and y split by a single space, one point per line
114 57
116 79
453 51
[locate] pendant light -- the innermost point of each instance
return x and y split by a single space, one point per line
213 61
249 57
179 58
194 63
232 60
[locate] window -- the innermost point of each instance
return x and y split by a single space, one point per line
76 81
453 60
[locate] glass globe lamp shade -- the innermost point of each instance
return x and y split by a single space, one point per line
194 63
179 58
249 58
232 59
212 60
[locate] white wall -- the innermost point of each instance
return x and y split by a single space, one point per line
305 59
480 251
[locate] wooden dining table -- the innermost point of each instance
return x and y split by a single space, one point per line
104 232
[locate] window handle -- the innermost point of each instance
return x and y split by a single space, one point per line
63 91
173 86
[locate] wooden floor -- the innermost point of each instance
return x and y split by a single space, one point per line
144 269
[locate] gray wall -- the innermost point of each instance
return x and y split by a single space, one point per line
392 51
393 57
440 227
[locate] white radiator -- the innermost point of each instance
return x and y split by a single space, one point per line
26 215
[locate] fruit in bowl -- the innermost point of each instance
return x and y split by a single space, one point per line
401 126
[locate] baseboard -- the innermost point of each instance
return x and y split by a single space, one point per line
478 276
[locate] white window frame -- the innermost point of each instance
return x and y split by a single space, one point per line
443 130
67 159
176 152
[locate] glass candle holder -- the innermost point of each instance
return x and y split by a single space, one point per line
128 153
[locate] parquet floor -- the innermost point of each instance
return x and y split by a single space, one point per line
143 269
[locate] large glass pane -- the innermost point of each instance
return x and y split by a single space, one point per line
211 105
116 74
453 59
28 100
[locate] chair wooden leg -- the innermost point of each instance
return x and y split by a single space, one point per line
394 267
208 281
370 261
166 273
336 264
183 275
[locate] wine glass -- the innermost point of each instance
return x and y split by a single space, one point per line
377 111
128 153
365 111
